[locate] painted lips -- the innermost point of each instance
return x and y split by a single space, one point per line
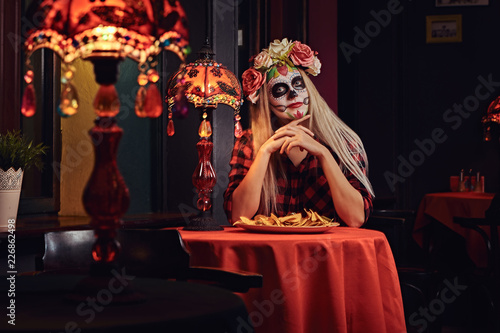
295 105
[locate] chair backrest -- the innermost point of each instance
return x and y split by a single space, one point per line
474 224
144 252
153 253
394 230
68 250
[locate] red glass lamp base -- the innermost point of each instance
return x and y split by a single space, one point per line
204 179
106 199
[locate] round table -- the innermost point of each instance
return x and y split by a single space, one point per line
443 207
41 305
342 280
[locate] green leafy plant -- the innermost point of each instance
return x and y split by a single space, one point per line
17 152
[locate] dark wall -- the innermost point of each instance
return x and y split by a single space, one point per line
134 153
322 38
418 106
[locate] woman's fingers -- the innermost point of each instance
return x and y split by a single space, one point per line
295 125
304 142
307 130
281 134
295 122
290 131
285 145
274 144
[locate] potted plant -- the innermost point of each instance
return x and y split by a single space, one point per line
17 154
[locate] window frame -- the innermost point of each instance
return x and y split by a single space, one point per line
11 88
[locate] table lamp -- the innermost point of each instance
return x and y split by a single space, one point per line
105 32
491 118
204 83
491 123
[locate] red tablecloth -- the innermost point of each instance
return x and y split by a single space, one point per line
442 207
344 280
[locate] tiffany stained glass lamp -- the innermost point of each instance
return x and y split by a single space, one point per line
105 32
204 83
491 120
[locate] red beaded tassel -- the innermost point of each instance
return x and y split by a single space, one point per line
28 106
154 106
238 130
170 126
141 96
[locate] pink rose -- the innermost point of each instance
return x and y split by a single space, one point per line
252 80
302 55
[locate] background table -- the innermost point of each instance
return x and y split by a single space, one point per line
41 306
442 207
344 280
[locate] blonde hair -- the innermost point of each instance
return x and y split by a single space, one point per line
327 127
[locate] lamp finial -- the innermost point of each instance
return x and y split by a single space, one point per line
206 52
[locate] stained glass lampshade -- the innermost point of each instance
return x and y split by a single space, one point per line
204 83
112 28
105 32
492 117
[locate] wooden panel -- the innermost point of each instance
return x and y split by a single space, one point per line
322 38
10 41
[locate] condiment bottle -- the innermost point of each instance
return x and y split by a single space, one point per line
478 186
461 182
468 181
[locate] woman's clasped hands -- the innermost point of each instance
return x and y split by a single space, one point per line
293 135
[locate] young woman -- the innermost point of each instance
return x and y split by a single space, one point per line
297 153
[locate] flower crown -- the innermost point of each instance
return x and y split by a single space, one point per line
280 57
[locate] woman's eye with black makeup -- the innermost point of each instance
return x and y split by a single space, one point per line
279 90
298 83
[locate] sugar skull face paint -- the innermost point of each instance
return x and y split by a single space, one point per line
288 96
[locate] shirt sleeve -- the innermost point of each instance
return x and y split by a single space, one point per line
241 161
367 197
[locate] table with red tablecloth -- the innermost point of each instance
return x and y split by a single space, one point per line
342 280
443 207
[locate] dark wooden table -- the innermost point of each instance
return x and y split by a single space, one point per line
30 230
40 304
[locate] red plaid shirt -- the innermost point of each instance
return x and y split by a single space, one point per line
306 186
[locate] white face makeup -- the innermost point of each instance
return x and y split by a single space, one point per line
288 96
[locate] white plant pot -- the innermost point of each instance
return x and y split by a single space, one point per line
10 190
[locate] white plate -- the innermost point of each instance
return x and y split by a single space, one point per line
284 230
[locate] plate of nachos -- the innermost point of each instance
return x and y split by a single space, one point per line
307 222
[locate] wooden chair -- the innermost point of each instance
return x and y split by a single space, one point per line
475 224
394 230
144 253
486 280
417 279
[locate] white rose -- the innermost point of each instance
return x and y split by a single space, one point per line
315 68
279 48
262 60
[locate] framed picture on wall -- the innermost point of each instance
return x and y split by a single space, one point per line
450 3
444 29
